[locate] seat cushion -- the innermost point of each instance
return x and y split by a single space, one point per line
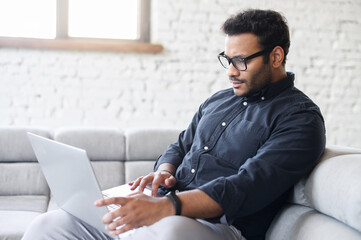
14 223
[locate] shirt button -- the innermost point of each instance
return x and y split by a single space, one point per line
193 170
224 124
245 103
262 98
205 148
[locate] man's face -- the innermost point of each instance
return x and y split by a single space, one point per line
257 75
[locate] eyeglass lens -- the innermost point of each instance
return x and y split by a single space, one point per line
237 63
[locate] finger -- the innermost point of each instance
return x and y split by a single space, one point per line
112 226
113 200
109 217
135 194
113 216
170 182
104 202
136 183
155 190
124 229
156 182
145 181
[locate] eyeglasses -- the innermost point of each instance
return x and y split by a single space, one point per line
238 62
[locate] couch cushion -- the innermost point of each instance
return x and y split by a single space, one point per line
135 169
52 204
334 187
331 151
15 145
148 144
109 173
14 223
303 223
31 203
101 144
22 179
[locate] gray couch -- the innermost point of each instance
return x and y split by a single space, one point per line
325 205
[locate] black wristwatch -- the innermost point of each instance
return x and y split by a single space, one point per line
176 202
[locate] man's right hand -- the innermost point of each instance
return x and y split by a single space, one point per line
162 177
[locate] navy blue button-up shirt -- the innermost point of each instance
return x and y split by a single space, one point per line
247 153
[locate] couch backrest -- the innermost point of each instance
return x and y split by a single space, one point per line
105 148
334 186
19 172
118 157
143 147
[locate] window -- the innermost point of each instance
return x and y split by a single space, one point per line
21 18
115 25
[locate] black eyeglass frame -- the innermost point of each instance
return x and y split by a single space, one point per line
244 60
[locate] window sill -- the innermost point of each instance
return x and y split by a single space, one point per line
82 45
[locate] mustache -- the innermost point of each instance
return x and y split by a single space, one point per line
232 79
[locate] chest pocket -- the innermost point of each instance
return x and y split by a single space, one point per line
240 141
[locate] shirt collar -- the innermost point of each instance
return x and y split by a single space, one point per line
273 89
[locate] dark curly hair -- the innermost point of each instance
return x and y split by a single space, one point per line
269 26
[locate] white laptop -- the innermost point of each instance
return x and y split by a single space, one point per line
72 181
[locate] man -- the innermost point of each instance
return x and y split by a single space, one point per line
238 159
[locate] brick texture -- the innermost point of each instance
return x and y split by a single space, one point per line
57 88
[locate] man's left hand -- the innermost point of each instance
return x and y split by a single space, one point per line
136 210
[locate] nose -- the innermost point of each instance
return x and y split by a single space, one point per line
232 71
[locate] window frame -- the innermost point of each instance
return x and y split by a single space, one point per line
63 42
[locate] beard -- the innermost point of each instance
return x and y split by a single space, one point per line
257 81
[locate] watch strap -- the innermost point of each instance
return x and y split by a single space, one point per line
176 202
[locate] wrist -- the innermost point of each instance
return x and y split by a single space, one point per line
167 167
167 171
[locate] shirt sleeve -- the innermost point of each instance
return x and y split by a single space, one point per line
291 151
175 153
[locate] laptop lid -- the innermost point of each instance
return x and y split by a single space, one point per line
71 179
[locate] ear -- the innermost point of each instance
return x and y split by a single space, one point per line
277 56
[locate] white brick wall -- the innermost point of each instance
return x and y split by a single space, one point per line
57 88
